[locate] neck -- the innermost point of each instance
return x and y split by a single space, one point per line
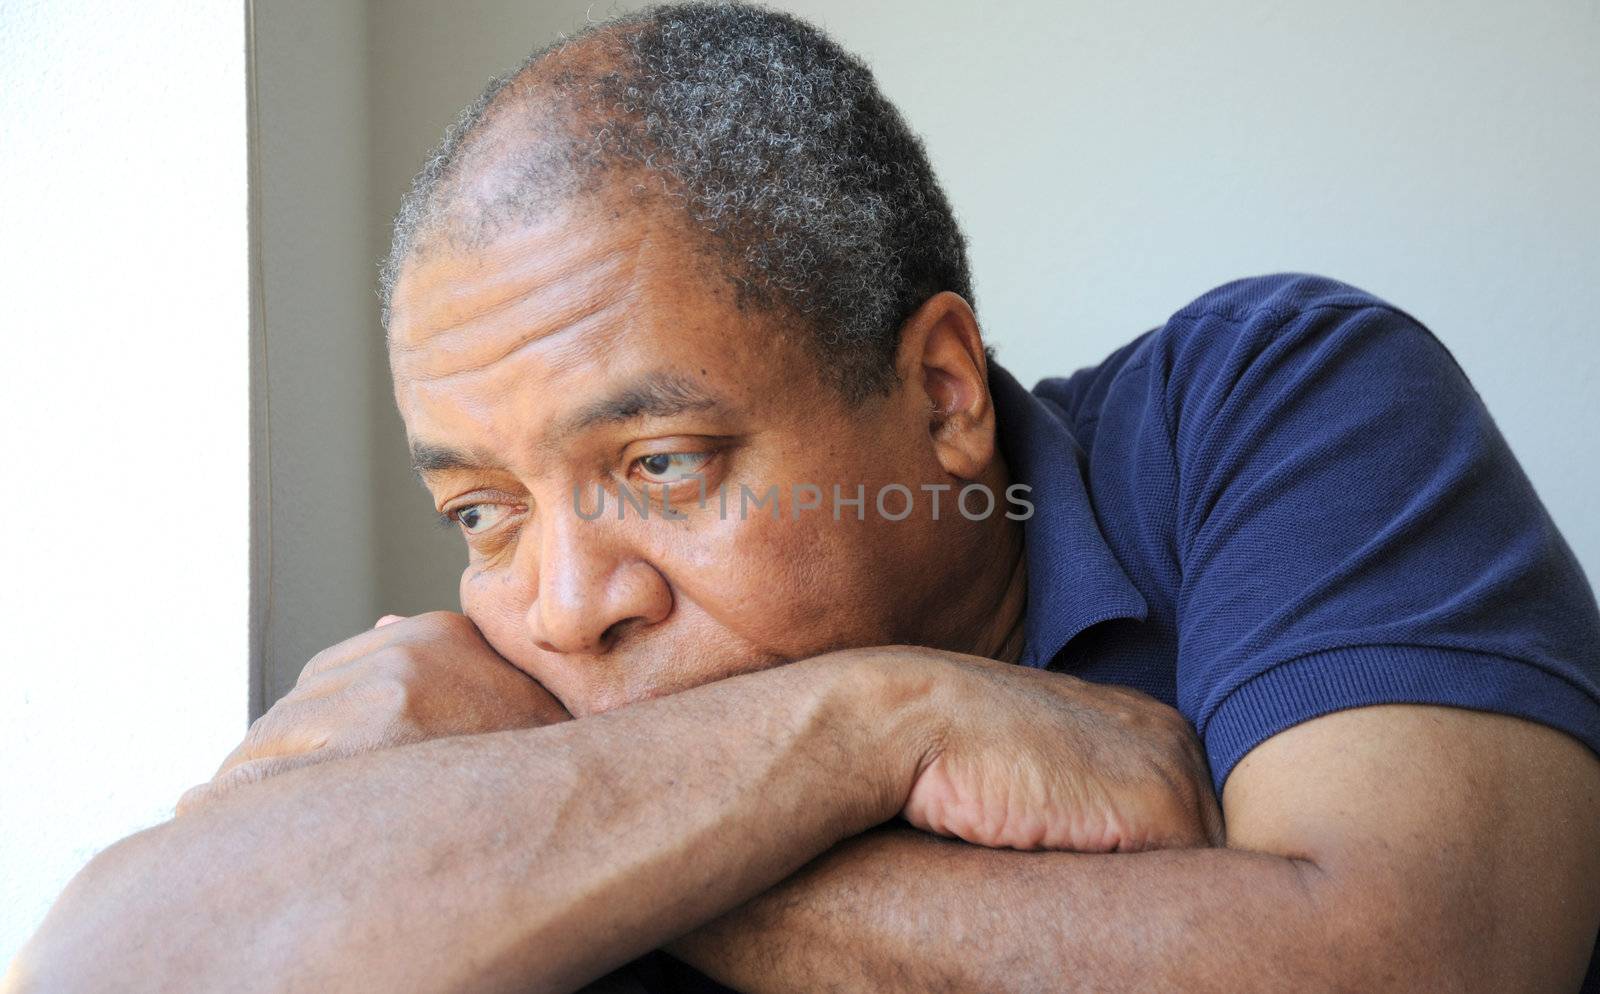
1002 636
983 603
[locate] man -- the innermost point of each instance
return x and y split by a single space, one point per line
1273 553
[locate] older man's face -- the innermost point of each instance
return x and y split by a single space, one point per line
598 348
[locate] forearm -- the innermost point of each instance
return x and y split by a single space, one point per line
898 910
529 860
1361 860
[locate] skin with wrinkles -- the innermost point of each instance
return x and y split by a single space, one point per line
606 612
754 697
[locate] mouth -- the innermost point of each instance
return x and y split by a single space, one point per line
611 698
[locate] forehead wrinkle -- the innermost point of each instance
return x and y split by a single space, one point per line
545 260
546 272
595 312
512 326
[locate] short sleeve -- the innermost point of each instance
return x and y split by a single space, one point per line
1354 530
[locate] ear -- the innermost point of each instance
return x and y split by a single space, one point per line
946 374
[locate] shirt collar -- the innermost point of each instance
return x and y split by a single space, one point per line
1074 580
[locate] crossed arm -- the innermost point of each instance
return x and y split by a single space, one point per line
1383 849
1386 848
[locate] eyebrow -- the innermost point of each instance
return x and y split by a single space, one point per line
653 395
426 458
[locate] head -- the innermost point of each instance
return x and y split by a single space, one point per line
694 258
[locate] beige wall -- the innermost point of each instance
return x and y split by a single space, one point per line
1109 161
323 351
428 60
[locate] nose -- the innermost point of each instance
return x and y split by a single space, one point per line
594 584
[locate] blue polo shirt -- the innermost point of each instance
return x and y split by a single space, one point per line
1286 501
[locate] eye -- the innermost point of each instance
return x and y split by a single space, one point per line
667 468
478 518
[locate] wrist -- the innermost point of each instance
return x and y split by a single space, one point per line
882 699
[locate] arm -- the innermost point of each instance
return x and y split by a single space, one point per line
530 860
1391 848
540 858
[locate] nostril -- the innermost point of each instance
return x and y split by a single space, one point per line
603 643
613 633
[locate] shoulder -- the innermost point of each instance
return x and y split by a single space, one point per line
1268 343
1274 298
1232 324
1247 338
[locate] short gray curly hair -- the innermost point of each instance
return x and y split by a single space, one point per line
777 143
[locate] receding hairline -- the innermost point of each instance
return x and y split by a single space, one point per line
520 150
771 138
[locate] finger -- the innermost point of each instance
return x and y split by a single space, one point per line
243 775
1211 818
191 800
1190 819
326 682
352 648
433 625
293 727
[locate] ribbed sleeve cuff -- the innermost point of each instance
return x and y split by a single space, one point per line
1332 680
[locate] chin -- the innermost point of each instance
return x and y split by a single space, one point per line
673 680
598 701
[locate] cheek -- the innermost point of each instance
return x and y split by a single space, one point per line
500 613
789 587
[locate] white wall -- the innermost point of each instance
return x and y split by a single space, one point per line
1111 161
124 425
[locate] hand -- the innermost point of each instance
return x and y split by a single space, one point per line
1027 759
406 680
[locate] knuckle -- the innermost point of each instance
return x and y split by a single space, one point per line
225 783
1176 824
263 731
386 693
1175 732
287 728
243 775
315 665
192 800
396 664
446 622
